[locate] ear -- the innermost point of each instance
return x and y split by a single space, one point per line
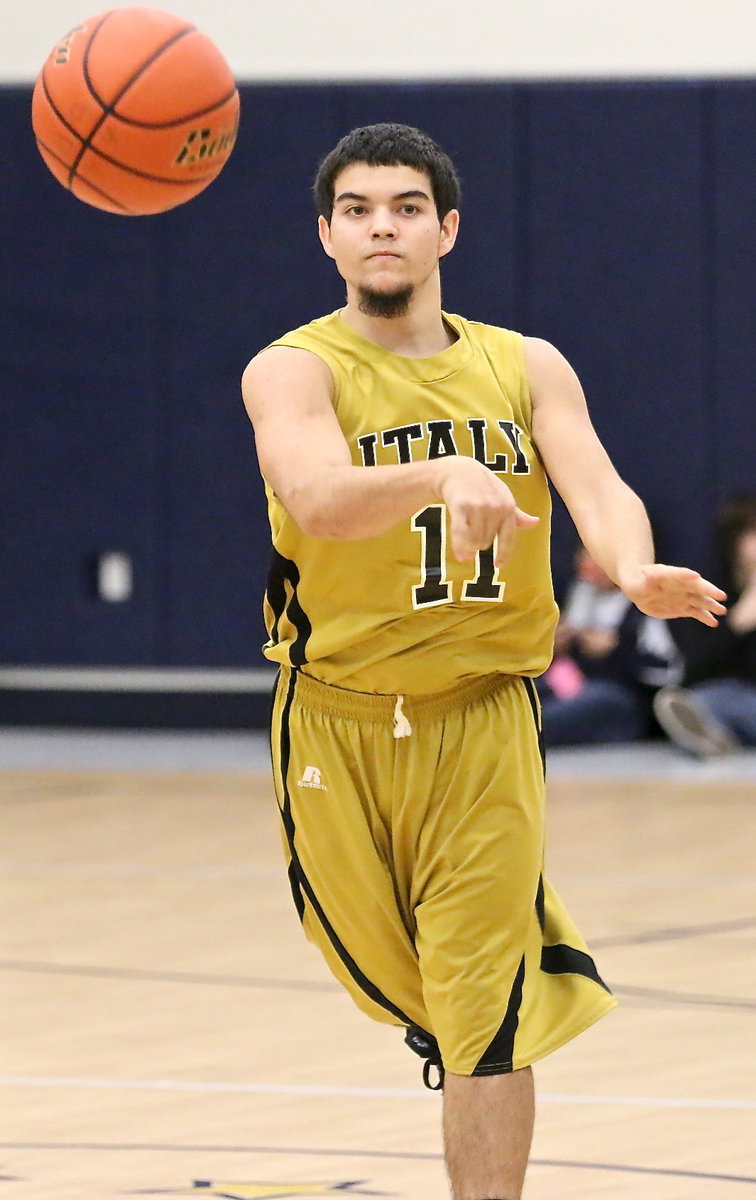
448 234
324 233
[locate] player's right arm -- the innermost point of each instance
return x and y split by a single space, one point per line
304 457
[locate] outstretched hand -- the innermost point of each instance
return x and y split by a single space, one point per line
662 591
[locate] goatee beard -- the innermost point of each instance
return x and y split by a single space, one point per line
385 304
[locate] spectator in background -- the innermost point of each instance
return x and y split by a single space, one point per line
715 711
609 660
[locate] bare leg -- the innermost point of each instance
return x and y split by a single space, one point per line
488 1126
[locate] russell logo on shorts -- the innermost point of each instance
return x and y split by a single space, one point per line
311 779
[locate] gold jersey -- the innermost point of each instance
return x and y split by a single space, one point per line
396 613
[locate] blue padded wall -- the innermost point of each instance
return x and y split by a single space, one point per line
615 246
732 440
79 456
617 220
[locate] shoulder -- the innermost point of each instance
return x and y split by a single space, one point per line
542 356
279 363
550 375
294 356
285 376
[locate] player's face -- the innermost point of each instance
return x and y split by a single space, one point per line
385 234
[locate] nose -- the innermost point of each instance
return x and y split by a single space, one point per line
383 225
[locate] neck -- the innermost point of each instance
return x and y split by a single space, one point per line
420 333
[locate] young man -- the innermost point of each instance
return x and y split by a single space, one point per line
409 606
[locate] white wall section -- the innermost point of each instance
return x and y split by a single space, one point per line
286 40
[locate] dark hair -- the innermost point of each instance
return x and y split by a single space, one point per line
736 517
389 146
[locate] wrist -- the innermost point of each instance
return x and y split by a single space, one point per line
630 579
439 475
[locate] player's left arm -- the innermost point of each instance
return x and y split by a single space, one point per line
610 518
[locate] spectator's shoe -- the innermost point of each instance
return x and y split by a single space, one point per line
687 723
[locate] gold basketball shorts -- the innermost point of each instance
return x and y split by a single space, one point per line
415 862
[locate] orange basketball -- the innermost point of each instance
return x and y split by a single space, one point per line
135 111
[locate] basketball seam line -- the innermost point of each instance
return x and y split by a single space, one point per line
81 178
202 112
101 153
73 168
156 53
108 110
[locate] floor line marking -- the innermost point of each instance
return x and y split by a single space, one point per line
295 1089
665 996
144 976
661 996
674 933
330 1152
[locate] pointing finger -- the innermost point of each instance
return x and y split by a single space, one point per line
525 520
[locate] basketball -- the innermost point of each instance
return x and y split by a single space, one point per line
135 111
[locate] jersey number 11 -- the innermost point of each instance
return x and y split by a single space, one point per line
435 587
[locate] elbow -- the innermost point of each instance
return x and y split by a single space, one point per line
318 525
318 519
329 513
329 526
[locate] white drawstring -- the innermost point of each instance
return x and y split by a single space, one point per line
402 727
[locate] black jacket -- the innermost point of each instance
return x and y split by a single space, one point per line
715 653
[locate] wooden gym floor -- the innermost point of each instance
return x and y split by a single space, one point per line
166 1030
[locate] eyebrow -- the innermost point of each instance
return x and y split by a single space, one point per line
415 193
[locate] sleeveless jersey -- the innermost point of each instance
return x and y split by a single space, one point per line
397 613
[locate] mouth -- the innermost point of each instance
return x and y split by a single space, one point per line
383 254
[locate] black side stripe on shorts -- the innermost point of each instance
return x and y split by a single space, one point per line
497 1058
532 695
559 959
540 905
565 960
296 890
301 886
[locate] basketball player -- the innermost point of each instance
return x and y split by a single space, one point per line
409 605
